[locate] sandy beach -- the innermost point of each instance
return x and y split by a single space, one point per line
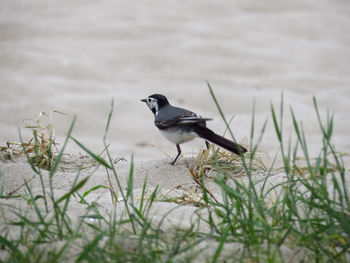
76 56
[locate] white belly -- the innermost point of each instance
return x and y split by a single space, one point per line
178 137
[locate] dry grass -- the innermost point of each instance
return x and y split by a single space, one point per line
215 160
41 147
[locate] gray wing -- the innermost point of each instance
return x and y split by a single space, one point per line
178 117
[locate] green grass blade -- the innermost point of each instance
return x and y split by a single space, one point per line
129 193
223 238
109 120
277 129
143 193
10 245
220 111
84 255
97 158
96 187
73 190
60 154
37 171
252 127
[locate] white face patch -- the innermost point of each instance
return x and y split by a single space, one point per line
153 105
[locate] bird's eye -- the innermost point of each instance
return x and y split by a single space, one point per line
148 100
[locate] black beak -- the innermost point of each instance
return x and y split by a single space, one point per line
143 100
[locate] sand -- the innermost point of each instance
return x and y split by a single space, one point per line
75 56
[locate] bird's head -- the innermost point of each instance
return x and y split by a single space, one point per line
155 102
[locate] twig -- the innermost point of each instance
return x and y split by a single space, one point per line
195 179
25 182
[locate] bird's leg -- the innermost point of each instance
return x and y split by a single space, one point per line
178 153
207 144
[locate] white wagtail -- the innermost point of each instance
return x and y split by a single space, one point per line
180 125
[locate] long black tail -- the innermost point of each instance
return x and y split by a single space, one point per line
211 136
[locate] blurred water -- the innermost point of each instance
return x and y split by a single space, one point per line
75 56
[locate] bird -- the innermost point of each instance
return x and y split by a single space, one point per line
179 125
